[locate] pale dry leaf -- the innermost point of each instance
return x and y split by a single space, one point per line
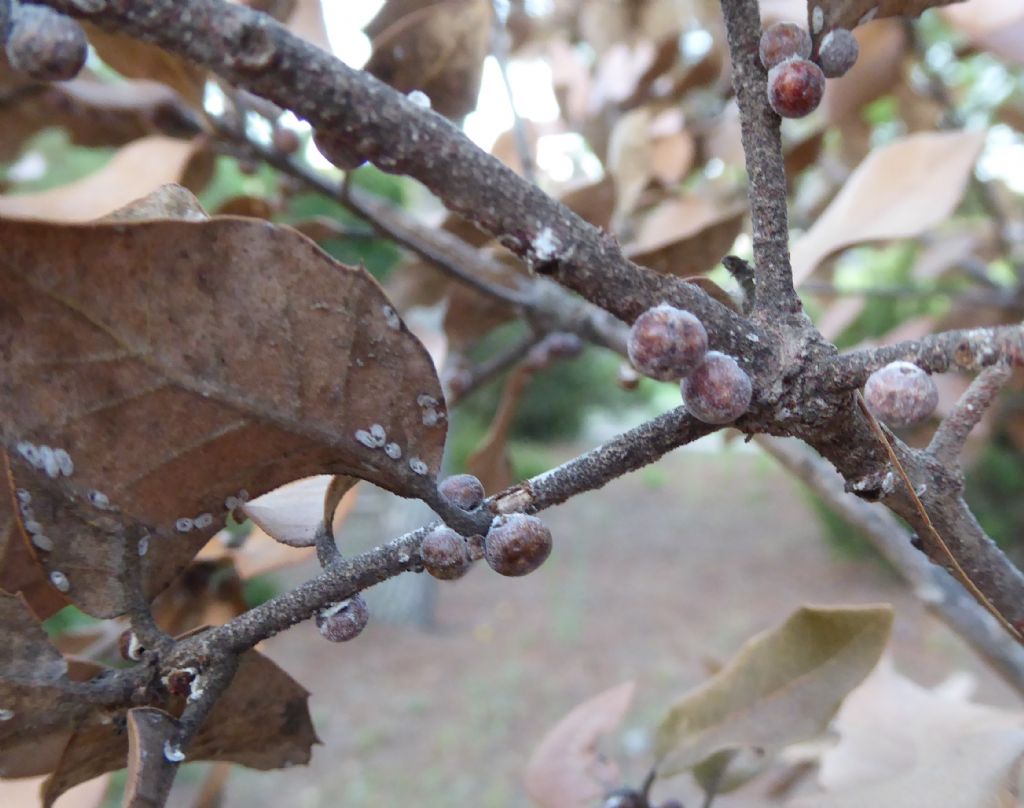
135 59
898 191
890 725
628 160
566 770
973 771
686 235
993 25
25 792
128 358
783 686
292 513
307 21
134 171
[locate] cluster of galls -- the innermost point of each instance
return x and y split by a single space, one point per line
796 80
667 343
43 44
516 544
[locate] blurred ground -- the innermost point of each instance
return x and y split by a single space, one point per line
655 578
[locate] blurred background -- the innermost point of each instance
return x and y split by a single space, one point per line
622 108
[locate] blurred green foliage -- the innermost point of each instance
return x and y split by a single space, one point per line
994 486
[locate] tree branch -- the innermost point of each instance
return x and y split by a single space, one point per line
381 125
968 349
766 173
948 440
625 453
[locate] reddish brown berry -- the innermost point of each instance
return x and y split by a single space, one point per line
343 621
837 53
783 41
45 45
286 140
795 88
517 544
719 391
667 343
463 490
445 554
901 394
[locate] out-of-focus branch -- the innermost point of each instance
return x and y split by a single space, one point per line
932 584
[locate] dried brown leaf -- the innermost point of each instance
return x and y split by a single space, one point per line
261 721
686 235
39 714
824 15
435 46
127 357
898 191
565 770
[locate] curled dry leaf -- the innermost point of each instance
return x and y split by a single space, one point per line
136 170
973 771
898 191
783 686
135 59
687 235
184 364
292 513
261 721
437 47
824 15
566 770
890 725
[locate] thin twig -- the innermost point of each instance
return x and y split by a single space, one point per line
479 375
968 349
499 49
948 440
762 148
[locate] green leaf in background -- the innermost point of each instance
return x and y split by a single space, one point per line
782 687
